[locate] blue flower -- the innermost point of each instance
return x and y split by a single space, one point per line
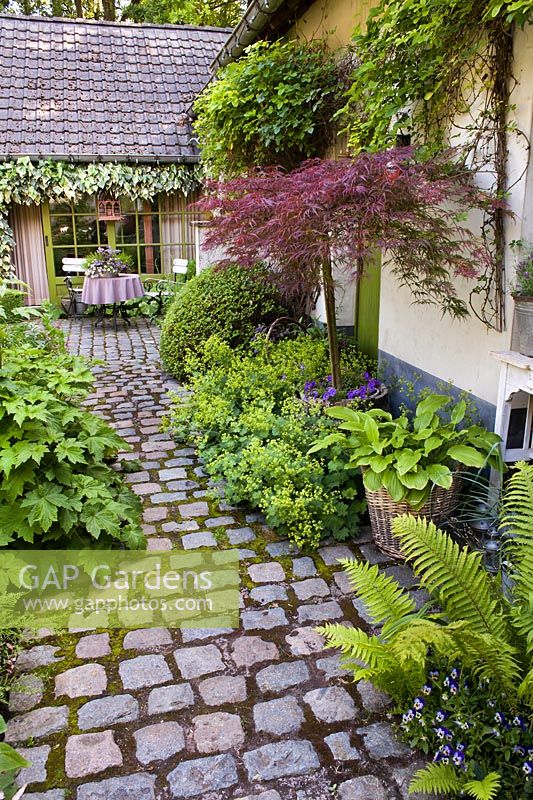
434 674
454 687
527 768
454 674
499 717
426 689
441 715
444 733
329 394
519 750
419 703
458 758
408 716
519 722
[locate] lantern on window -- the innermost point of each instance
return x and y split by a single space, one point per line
109 209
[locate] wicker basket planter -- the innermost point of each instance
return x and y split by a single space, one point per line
382 509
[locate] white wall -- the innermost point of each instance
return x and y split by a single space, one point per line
460 351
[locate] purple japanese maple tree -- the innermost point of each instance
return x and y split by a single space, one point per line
341 211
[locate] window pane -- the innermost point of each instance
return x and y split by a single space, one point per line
59 254
87 205
60 207
62 232
87 230
149 229
125 230
132 253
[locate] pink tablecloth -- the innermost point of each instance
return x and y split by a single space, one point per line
106 291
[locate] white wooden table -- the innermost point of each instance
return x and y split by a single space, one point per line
515 392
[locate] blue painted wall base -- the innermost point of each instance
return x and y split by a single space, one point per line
394 369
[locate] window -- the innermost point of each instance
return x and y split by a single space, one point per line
76 231
153 233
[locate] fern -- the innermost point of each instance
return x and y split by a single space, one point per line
385 600
436 779
454 575
487 789
517 520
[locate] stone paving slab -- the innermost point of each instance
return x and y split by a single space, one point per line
259 713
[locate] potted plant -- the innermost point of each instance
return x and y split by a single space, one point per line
107 263
412 465
523 299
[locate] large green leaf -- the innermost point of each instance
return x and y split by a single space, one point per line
10 760
393 484
418 479
372 481
406 460
440 475
467 455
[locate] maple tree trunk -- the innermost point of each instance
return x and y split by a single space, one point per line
79 9
331 322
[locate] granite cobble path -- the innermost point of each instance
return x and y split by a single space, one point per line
259 713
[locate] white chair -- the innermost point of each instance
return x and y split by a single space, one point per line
74 265
179 266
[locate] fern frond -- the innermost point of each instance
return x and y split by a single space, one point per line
517 519
525 690
436 779
453 575
384 598
487 789
487 656
413 642
357 645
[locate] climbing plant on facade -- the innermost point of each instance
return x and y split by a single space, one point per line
272 106
26 182
442 73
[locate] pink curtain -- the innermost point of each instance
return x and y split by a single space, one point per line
28 254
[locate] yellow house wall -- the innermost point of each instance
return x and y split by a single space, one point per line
333 20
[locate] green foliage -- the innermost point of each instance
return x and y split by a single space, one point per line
228 302
10 763
184 12
9 300
272 106
409 457
253 431
480 636
26 182
57 484
412 61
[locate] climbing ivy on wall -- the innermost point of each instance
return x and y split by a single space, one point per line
26 182
272 106
442 72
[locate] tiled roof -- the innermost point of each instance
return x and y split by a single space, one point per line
82 89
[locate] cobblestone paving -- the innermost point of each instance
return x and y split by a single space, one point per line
261 713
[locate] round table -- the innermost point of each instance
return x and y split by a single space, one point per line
114 292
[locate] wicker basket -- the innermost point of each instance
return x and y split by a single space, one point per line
382 509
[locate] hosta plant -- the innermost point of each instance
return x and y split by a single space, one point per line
471 629
408 457
10 764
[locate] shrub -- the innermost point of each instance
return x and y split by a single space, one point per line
229 302
272 106
56 482
253 428
11 299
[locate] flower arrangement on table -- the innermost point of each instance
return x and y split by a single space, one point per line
107 263
323 390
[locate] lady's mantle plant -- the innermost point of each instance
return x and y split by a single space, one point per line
327 211
409 457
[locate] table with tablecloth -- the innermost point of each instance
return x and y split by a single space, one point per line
114 292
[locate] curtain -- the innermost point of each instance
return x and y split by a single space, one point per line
177 232
28 254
